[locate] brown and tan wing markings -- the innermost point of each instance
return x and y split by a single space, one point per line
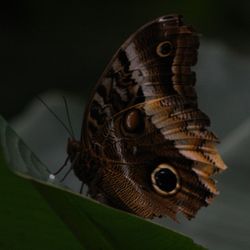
188 200
161 88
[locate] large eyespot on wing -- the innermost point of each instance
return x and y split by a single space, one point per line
167 191
165 180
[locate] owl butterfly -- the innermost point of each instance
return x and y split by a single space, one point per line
145 147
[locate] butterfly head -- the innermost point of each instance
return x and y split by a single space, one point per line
73 148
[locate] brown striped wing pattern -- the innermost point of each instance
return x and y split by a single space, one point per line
145 147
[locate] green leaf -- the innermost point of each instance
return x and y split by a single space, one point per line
37 212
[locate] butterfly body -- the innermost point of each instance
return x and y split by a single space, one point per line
145 147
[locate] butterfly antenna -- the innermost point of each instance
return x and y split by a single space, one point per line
56 116
68 116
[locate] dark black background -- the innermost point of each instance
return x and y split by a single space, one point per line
60 47
48 45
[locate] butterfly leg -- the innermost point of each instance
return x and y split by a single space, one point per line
101 198
67 173
71 167
62 167
81 188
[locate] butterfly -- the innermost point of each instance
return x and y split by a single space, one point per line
145 147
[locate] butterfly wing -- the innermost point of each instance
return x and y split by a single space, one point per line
144 130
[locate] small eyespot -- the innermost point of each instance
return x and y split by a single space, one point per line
165 179
164 49
174 18
134 121
167 17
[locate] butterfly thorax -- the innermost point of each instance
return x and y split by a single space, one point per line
81 160
73 148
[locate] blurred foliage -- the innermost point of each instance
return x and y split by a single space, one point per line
66 45
27 221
